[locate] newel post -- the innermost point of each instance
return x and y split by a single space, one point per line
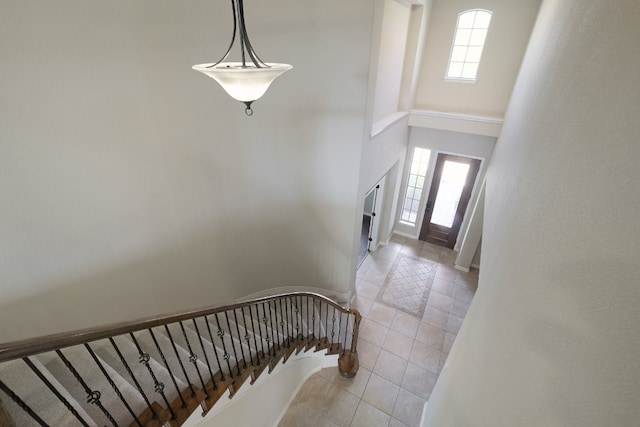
348 361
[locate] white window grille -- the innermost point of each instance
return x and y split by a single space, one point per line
468 42
415 184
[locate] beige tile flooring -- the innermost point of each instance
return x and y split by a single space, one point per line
400 355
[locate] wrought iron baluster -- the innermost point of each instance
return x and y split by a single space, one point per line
175 350
306 300
346 332
246 336
22 404
215 352
166 364
193 358
276 340
333 324
339 323
326 318
112 384
135 380
282 320
289 315
255 338
269 332
313 319
158 386
263 339
298 316
93 396
206 358
233 344
55 391
226 356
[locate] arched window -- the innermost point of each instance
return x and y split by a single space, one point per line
468 41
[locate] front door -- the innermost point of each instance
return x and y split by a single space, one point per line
453 180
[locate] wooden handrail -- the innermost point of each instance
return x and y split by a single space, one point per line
32 346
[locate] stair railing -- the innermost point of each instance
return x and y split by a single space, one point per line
156 371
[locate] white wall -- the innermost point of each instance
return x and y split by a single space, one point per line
393 43
131 184
511 25
551 338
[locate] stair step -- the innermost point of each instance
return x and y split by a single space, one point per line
19 378
95 380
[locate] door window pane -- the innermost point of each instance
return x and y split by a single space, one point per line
452 182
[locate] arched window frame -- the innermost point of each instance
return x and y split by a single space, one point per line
467 45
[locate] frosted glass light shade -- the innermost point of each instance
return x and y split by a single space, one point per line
246 84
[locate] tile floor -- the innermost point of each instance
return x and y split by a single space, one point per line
400 354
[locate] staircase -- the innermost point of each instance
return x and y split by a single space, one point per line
158 371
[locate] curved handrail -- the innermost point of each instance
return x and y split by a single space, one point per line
32 346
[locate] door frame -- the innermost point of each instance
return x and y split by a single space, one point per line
413 232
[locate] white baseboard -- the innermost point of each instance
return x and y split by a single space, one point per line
461 268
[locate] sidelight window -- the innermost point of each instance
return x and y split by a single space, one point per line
415 184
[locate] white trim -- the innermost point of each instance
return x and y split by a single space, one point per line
465 123
403 234
386 122
476 266
461 268
424 414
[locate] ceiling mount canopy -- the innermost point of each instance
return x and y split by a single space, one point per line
248 79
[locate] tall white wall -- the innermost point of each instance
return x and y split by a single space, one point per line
551 338
506 42
132 185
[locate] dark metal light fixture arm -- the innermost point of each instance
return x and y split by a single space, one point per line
233 37
246 49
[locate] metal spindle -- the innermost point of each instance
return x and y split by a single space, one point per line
175 350
166 364
206 358
112 384
346 331
226 356
135 381
193 358
247 336
268 331
158 386
290 313
233 344
326 326
55 391
255 338
333 324
272 314
215 352
262 337
235 316
313 320
22 404
282 320
298 315
93 396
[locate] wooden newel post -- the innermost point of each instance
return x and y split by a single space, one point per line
348 361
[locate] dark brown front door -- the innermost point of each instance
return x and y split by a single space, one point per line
453 180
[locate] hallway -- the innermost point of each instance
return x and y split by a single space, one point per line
413 302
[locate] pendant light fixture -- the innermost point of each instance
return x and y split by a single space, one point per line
248 79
